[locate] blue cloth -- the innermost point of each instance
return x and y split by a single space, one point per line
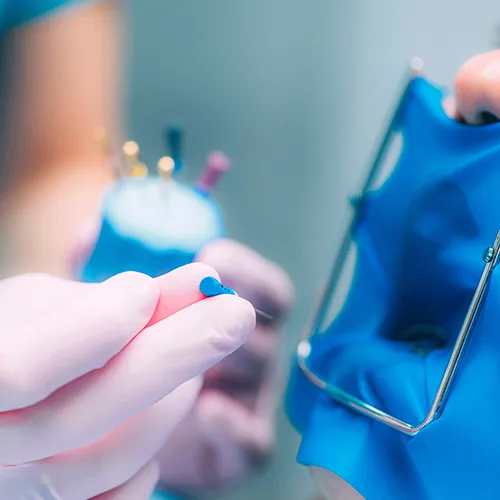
15 12
420 240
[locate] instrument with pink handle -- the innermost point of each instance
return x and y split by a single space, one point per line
154 223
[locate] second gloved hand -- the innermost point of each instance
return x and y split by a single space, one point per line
94 378
229 434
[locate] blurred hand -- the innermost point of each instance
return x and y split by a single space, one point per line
230 431
94 378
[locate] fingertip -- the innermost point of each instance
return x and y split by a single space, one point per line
132 292
181 284
190 275
201 270
239 319
180 288
249 315
141 283
196 338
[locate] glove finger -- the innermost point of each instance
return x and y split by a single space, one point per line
249 364
27 296
240 440
157 361
140 487
23 483
119 455
80 333
219 443
227 421
179 289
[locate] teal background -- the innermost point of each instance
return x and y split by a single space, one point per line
296 92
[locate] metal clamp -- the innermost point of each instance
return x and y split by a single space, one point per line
303 352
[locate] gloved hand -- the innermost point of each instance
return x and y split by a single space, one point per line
230 431
94 378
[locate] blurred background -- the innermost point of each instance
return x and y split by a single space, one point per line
297 94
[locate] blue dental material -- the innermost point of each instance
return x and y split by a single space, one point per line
211 287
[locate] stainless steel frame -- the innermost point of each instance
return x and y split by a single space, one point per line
490 257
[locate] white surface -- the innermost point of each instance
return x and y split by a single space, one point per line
162 215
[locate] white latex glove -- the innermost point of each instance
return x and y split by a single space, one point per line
94 378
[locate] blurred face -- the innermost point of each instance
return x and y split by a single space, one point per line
477 90
475 102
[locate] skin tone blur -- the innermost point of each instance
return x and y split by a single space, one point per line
62 76
475 102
